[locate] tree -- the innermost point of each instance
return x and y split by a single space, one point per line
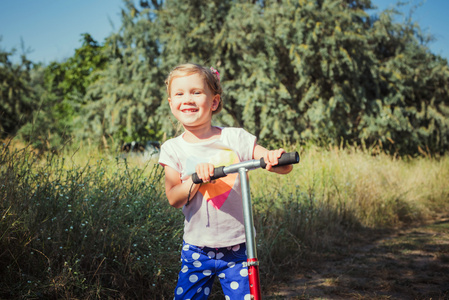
122 101
322 70
412 103
60 88
17 98
187 33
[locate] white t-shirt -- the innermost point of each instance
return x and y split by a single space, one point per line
214 217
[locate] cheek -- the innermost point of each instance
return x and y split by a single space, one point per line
174 110
172 104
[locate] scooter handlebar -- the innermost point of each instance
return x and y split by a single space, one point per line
285 159
218 173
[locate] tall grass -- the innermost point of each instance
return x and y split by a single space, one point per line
100 229
334 195
87 225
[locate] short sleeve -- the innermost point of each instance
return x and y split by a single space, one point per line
241 141
168 157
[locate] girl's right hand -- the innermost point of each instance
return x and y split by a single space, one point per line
205 171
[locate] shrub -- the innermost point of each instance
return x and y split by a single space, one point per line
99 230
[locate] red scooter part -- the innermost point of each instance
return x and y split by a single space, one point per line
253 276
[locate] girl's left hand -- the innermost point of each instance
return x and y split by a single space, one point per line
271 158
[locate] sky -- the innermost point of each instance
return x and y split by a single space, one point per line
51 29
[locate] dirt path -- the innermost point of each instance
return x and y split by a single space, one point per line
410 263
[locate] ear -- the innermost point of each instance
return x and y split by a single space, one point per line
215 102
169 102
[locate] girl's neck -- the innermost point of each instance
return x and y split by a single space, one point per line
202 134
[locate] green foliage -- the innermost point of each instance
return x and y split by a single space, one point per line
79 70
412 91
17 97
102 229
60 88
123 100
316 70
49 126
292 71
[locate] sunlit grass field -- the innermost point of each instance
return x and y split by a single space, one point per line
86 224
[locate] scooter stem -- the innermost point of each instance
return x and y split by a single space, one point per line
251 249
242 168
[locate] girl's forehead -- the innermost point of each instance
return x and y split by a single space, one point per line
194 79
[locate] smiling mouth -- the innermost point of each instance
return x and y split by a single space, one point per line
190 110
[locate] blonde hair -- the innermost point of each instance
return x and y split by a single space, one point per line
212 81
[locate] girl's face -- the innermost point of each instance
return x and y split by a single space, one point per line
191 101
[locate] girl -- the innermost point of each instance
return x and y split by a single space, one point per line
214 233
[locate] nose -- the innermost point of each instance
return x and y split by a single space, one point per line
187 98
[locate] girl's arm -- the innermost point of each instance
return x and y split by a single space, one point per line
176 190
271 159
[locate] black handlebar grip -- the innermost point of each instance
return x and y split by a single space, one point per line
285 159
218 173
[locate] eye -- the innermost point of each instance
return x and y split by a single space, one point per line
197 92
178 94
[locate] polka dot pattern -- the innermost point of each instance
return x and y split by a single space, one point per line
244 272
234 285
200 265
193 278
179 291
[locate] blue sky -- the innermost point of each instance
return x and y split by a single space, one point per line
431 15
52 28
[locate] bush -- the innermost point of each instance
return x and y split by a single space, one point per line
104 229
99 230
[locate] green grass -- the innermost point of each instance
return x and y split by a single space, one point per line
100 229
334 194
90 225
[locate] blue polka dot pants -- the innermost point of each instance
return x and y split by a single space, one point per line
200 266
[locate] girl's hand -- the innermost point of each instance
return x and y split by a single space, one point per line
205 171
271 158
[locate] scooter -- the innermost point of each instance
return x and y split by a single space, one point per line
242 168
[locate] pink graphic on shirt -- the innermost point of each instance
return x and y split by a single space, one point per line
217 192
218 201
